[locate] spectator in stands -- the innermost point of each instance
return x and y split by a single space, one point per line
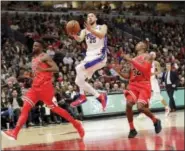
182 83
116 88
67 60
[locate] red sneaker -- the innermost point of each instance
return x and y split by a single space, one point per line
103 100
10 134
78 125
80 100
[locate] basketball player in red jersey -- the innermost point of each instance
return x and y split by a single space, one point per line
139 88
43 68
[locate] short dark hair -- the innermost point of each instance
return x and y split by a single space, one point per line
40 41
92 13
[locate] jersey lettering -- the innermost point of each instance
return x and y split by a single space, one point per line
136 72
92 38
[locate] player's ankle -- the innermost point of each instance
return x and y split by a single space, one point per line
154 119
131 124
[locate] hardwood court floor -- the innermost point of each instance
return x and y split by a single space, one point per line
104 134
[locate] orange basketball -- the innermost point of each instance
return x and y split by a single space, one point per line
72 27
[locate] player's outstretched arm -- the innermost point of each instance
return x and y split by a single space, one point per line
100 34
138 66
52 65
81 37
122 72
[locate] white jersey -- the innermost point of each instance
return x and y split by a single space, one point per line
95 45
153 69
153 79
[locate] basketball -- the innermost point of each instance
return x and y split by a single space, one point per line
72 27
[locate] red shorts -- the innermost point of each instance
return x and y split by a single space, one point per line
138 92
44 92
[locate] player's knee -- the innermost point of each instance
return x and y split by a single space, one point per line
140 107
129 104
77 80
26 108
129 99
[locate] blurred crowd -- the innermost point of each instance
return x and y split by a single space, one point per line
135 8
67 53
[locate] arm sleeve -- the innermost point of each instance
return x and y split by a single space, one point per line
81 36
141 67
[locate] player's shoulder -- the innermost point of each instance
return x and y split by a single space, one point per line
44 54
147 57
103 26
45 57
142 56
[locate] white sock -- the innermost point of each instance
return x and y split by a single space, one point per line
82 92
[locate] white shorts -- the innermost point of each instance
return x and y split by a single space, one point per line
92 63
155 85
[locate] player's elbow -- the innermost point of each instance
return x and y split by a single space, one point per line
101 36
56 69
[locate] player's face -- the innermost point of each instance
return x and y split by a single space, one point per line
91 18
37 47
140 46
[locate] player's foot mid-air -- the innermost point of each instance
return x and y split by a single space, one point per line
96 57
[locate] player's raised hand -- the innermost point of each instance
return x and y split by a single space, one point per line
75 36
87 26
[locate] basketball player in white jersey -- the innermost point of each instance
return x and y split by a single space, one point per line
96 57
156 94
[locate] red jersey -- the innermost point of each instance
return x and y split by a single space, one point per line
40 77
140 70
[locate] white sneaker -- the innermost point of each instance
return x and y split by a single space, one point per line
167 111
141 116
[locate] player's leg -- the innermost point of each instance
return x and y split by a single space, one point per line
47 95
152 100
141 105
158 96
86 70
64 114
29 101
80 81
130 98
